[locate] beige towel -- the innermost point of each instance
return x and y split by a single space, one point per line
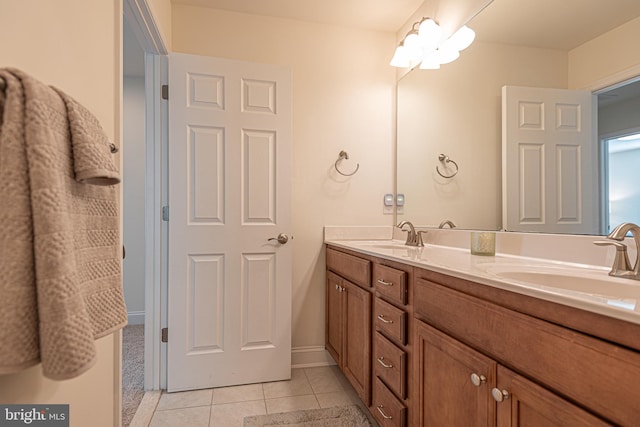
60 260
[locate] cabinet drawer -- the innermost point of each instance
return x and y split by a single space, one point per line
391 365
390 282
387 409
390 320
357 270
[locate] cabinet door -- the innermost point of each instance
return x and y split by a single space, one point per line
356 357
334 317
445 373
523 403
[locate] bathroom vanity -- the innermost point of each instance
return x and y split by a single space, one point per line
434 336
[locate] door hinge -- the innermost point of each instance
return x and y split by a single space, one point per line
165 213
165 91
165 335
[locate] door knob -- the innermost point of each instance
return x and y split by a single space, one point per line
282 238
478 380
499 395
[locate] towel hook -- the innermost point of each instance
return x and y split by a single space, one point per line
343 155
445 159
113 148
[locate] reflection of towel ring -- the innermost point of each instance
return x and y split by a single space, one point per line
445 159
343 155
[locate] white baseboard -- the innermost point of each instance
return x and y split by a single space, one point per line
310 357
135 317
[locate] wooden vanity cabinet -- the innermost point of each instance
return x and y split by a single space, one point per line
334 314
348 324
528 371
392 344
423 348
458 386
525 403
369 317
446 395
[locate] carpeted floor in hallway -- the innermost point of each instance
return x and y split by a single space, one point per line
132 371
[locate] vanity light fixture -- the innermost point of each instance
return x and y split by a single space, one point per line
424 44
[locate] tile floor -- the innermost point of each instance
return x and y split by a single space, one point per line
309 388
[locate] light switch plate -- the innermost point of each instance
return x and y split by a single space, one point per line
387 207
399 204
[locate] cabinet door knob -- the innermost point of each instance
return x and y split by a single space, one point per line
385 416
382 282
381 361
499 395
381 317
478 380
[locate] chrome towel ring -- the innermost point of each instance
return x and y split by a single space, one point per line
445 160
343 155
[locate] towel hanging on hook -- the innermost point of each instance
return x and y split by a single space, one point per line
343 155
445 160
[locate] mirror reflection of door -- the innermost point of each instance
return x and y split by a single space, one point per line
619 134
549 152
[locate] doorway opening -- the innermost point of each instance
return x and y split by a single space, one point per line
619 136
133 230
622 177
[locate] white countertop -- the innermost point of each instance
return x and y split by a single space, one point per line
592 290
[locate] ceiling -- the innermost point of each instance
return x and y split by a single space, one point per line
551 24
381 15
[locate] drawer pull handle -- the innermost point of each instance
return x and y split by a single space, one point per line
382 282
499 395
478 380
385 416
381 361
381 317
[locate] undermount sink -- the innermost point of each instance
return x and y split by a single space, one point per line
388 244
393 247
594 284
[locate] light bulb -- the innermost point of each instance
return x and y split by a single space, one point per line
412 40
446 55
401 58
430 33
462 38
430 61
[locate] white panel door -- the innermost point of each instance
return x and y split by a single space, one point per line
229 302
549 170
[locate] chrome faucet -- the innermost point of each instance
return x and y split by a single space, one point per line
414 238
621 265
447 222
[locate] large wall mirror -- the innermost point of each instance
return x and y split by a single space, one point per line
455 113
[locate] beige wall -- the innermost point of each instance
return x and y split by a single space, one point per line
81 56
607 59
343 99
